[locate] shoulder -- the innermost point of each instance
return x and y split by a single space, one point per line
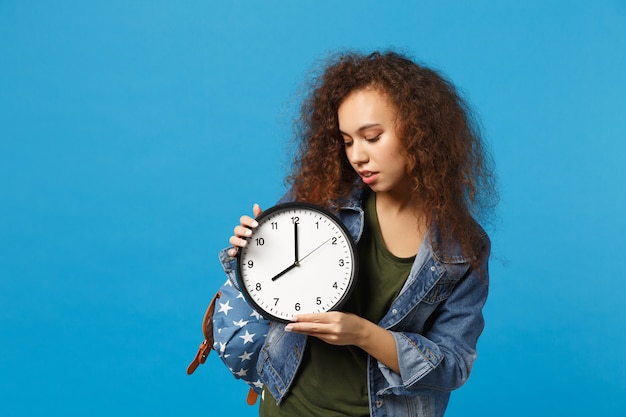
353 200
452 251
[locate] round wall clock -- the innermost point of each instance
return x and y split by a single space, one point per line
299 259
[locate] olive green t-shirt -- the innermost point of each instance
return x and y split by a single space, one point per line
332 380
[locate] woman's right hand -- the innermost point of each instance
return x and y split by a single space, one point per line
242 231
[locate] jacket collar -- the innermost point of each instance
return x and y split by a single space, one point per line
450 253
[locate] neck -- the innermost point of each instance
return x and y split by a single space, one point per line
401 223
399 205
395 201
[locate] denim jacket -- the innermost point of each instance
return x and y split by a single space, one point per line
436 320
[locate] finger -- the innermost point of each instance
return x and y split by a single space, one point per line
256 210
328 317
307 318
247 221
242 231
309 328
236 241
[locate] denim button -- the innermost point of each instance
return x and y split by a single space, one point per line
394 311
379 403
432 268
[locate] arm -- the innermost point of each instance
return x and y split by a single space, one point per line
441 356
349 329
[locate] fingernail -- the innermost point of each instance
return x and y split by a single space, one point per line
248 232
255 223
288 328
244 243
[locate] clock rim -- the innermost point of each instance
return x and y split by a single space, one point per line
336 221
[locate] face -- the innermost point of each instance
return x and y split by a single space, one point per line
367 124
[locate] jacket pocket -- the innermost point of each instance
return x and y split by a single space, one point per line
441 291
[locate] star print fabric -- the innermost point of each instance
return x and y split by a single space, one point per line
239 333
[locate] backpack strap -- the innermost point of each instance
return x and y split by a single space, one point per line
207 343
252 397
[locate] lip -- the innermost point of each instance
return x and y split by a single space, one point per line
368 177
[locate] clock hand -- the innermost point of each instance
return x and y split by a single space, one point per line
283 272
295 241
315 250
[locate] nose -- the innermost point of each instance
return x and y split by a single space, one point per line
356 153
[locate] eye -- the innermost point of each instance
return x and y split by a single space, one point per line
373 139
347 141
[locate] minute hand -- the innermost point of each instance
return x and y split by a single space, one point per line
314 250
295 242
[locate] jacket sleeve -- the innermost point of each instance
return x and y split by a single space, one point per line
441 357
228 264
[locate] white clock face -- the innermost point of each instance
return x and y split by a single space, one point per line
300 259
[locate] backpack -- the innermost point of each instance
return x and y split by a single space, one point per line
237 333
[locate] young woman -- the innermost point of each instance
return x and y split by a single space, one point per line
391 148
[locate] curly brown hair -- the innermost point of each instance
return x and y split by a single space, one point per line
451 171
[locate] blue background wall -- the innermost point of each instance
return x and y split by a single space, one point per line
134 134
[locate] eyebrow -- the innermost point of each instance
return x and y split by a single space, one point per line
362 128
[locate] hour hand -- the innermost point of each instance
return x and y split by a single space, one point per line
283 272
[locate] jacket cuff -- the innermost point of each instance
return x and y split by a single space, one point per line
418 356
228 264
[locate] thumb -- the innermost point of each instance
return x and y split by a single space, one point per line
256 210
